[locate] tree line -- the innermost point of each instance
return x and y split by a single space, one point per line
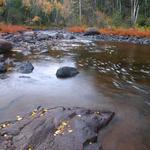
101 13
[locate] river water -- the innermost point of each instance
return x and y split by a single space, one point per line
113 76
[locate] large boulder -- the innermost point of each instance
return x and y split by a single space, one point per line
5 46
25 68
56 128
3 68
91 32
66 72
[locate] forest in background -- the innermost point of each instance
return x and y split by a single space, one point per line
100 13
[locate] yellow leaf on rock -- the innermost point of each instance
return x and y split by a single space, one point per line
70 131
19 118
4 125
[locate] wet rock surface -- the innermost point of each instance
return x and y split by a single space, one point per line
66 72
5 46
25 68
3 67
57 128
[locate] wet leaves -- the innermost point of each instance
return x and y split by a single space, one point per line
63 127
5 125
19 118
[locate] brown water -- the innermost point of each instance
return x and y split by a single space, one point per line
113 76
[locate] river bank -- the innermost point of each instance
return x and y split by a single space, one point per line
62 34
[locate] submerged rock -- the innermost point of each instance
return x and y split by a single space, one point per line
5 46
25 67
66 72
55 129
3 68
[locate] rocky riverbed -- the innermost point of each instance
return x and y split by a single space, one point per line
39 42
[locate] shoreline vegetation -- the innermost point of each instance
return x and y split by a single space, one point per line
131 32
136 32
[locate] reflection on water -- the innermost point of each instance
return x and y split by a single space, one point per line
113 76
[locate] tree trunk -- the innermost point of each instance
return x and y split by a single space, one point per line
134 11
80 11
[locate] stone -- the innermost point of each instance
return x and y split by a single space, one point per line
59 36
27 38
56 128
71 37
5 46
25 68
66 72
3 68
29 33
41 37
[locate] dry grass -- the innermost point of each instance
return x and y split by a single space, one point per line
8 28
115 31
77 29
126 32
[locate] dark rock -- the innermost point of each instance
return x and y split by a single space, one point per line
3 68
5 46
17 38
25 67
66 72
29 33
8 35
27 38
91 32
59 36
57 128
72 37
41 37
2 59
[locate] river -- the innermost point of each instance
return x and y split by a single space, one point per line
113 76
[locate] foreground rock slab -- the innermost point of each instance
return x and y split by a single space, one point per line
57 128
66 72
5 46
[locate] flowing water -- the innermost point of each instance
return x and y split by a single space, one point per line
113 76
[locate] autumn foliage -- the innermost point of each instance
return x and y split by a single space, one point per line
115 31
126 32
77 29
12 28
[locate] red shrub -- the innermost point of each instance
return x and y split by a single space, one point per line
126 32
77 29
12 28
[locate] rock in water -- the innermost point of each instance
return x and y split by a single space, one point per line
25 67
66 72
3 68
5 46
55 129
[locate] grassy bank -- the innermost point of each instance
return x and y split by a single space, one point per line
136 32
8 28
